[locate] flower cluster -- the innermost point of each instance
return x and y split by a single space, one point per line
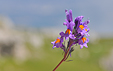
76 32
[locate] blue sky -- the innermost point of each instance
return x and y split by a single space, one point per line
51 13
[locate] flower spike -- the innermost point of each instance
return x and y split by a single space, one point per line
75 32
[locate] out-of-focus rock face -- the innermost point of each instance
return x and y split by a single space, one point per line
13 42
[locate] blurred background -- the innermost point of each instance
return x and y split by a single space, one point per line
27 28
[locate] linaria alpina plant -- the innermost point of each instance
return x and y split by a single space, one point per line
76 32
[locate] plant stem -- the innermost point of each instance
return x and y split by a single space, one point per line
62 59
58 64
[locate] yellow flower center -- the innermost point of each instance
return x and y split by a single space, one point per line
85 29
57 40
81 27
83 39
67 31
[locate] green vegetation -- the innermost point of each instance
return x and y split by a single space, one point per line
86 59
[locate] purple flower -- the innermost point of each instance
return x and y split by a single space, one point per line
77 21
81 27
69 23
86 27
69 15
83 42
68 34
57 43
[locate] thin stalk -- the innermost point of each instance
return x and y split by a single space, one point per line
58 64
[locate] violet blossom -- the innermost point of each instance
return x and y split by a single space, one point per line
76 32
